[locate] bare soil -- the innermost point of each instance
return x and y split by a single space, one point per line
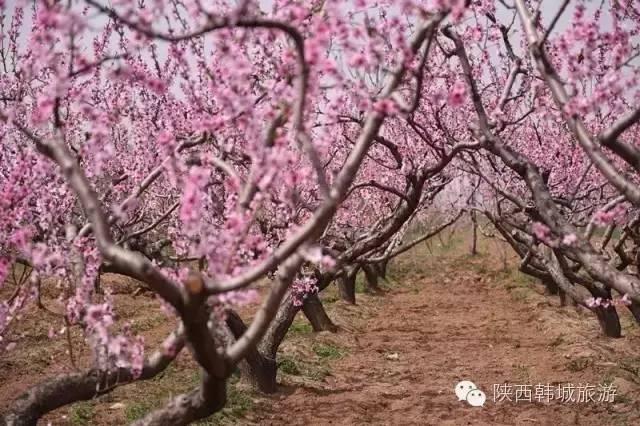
444 317
464 319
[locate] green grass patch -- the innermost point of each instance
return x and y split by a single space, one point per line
327 351
300 327
82 413
289 366
136 410
239 402
318 374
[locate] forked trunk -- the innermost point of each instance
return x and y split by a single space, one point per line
260 368
257 370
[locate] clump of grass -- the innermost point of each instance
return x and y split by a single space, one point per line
327 351
289 366
318 374
579 364
136 410
81 414
300 327
238 404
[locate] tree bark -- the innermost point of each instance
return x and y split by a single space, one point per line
564 300
474 228
260 368
316 314
635 311
371 279
551 287
58 392
256 369
82 386
609 321
347 285
381 268
203 401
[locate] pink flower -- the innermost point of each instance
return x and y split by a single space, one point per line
457 94
613 216
43 110
5 266
541 231
593 302
625 300
301 288
569 239
358 60
385 107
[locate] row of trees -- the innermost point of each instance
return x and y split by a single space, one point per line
201 149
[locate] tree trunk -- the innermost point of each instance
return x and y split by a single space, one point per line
260 373
371 278
551 287
260 368
381 269
257 370
347 285
563 298
609 321
317 316
203 401
474 228
635 311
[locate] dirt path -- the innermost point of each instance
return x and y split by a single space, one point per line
445 318
404 360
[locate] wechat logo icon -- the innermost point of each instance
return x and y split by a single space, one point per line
468 391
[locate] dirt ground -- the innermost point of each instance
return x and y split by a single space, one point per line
444 317
462 320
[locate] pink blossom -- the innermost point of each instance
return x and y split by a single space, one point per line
5 267
457 94
593 302
541 231
385 106
301 288
613 216
625 300
43 110
569 239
